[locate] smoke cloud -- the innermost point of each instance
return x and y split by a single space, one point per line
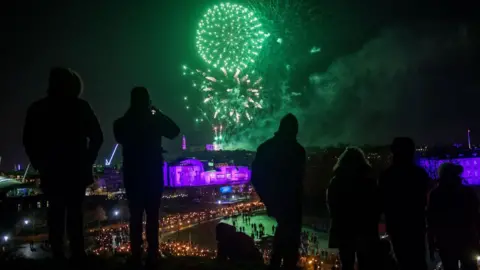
408 81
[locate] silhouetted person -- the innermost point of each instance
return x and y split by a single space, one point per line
277 175
140 133
453 219
352 198
403 191
62 138
236 246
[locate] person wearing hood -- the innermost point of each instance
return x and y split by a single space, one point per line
453 219
140 133
62 135
277 176
352 200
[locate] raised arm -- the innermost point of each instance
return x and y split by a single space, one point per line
166 126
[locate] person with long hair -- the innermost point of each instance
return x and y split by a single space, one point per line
354 212
453 219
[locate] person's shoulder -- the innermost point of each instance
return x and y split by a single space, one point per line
420 172
119 121
419 169
300 148
265 145
38 108
81 103
39 104
244 238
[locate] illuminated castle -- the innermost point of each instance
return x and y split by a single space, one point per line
193 172
207 167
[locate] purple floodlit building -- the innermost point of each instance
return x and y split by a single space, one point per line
471 168
191 172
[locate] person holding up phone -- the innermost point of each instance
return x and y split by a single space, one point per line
140 133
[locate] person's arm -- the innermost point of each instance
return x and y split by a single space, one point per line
168 128
432 213
300 173
381 192
118 132
327 200
94 134
332 198
303 162
30 139
474 205
427 186
375 200
259 177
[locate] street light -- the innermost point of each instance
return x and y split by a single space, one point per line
5 238
26 222
116 213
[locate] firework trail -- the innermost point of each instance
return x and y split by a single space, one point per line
230 100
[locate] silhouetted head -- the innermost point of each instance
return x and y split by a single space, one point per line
140 98
288 126
223 231
403 150
352 161
450 174
63 82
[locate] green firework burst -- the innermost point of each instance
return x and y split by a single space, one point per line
229 36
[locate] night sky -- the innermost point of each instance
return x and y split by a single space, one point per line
115 45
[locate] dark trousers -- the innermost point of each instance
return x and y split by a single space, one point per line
65 204
365 249
138 203
286 243
410 250
452 255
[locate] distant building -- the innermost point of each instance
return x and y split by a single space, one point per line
111 180
193 172
471 167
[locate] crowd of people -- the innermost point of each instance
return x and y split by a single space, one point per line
357 199
117 240
257 229
62 134
413 206
172 222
